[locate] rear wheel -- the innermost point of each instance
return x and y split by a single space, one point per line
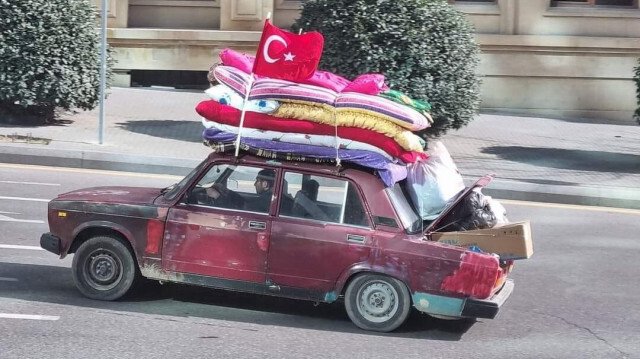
104 268
377 302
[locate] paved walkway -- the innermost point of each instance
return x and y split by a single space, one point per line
558 160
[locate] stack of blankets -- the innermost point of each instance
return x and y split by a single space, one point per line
324 119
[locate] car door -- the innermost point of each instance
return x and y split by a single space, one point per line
326 230
219 238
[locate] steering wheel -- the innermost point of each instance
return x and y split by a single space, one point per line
199 196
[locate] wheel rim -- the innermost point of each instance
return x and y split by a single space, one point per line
102 269
377 301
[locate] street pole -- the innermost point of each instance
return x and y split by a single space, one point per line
103 69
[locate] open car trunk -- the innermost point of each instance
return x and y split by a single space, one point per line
510 241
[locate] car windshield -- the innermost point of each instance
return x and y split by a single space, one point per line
175 189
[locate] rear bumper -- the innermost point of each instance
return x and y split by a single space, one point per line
488 308
50 243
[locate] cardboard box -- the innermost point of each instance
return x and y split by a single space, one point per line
509 241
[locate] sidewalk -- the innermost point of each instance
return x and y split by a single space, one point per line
538 159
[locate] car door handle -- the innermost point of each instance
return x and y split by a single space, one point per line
257 225
355 238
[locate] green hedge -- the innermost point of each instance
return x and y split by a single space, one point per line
425 48
49 56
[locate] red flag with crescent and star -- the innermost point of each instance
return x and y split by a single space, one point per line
285 55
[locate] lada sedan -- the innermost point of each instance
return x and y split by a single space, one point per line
315 232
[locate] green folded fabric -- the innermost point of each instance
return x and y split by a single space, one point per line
421 106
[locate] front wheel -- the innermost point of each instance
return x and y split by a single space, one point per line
104 268
377 302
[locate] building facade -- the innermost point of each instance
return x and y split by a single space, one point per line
539 57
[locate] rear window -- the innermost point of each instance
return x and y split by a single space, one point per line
408 216
322 199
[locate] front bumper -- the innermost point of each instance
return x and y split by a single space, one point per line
50 242
488 308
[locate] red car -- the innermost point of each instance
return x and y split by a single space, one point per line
298 230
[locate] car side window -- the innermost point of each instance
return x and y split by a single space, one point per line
235 187
323 199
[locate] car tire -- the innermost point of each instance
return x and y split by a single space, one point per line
377 302
104 268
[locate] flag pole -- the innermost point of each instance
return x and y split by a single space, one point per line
244 111
103 69
244 105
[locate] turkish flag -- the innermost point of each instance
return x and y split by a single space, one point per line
284 55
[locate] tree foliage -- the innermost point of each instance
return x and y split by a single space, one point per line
425 48
49 56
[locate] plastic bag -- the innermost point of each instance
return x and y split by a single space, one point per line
434 182
473 212
498 211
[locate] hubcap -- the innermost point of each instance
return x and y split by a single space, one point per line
103 269
377 301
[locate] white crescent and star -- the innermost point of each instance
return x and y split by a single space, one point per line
265 51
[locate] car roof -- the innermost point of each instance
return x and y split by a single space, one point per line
346 169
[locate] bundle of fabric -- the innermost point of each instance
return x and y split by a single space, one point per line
221 141
321 119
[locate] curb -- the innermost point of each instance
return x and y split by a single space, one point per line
499 189
576 195
96 160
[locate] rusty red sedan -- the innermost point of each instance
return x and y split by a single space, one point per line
298 230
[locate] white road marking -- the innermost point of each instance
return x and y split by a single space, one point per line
9 212
28 316
31 183
6 279
14 246
25 199
9 219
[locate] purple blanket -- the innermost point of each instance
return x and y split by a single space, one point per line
389 172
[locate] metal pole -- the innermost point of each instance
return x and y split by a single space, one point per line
103 69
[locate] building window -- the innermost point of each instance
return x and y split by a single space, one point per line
606 3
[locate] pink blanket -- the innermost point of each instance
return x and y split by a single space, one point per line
371 84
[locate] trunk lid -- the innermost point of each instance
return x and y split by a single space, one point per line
435 224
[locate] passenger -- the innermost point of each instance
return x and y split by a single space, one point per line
310 189
305 202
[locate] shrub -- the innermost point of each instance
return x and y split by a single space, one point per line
49 57
636 79
425 48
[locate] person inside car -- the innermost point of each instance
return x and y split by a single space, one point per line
226 198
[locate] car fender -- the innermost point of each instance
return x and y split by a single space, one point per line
390 268
102 224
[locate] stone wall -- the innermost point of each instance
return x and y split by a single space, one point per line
537 59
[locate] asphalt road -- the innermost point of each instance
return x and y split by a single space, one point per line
575 298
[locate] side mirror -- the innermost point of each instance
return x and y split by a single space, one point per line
184 199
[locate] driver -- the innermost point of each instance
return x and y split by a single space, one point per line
227 198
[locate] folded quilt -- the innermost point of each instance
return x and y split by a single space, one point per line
214 111
371 84
227 96
286 91
405 138
299 138
389 172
